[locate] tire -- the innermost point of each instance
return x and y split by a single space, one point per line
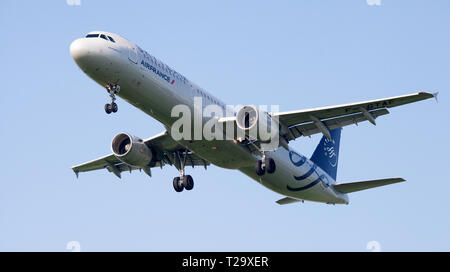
177 185
108 108
270 165
188 182
259 170
114 107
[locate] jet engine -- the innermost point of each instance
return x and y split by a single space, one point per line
256 123
131 150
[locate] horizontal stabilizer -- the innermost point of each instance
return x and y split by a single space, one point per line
287 200
363 185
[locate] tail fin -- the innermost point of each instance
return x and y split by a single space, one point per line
326 154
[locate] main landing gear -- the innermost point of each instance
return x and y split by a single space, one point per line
183 181
112 89
265 164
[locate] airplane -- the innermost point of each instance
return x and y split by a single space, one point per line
127 71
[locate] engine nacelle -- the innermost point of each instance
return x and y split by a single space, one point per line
131 150
256 123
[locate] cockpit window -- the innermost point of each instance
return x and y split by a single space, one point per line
103 36
91 35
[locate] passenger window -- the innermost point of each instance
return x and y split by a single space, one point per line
92 36
103 37
111 39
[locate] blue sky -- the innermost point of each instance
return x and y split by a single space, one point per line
297 54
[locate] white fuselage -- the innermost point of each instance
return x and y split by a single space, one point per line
155 88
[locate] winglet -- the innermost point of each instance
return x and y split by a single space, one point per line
76 173
435 95
429 95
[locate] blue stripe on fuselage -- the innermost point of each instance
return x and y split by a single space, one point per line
309 173
304 187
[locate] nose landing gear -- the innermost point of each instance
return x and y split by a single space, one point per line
112 89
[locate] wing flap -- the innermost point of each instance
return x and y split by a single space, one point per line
364 185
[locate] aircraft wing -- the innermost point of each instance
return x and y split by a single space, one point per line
321 120
166 151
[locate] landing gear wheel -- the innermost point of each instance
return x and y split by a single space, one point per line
188 182
260 170
270 165
113 90
108 108
114 107
177 184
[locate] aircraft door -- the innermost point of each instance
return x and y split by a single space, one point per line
132 54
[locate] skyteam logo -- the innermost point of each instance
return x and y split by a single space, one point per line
329 149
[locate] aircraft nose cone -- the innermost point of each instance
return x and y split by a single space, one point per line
78 50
